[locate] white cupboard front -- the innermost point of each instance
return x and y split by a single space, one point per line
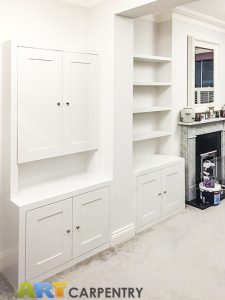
148 198
80 89
39 97
159 194
57 103
172 189
48 237
90 221
60 232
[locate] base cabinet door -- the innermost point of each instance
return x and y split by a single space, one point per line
172 187
48 238
90 221
148 198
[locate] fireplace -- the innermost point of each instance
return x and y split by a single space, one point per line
207 143
198 138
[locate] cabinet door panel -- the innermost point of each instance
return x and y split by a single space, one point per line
148 198
173 189
48 244
39 116
80 86
91 221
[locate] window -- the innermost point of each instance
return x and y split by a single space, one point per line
204 79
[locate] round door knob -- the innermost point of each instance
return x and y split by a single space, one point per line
77 227
164 192
58 103
67 103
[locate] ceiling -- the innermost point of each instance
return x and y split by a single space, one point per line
85 3
213 8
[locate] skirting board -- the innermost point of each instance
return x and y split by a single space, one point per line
122 235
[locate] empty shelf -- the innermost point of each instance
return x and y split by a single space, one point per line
150 58
146 109
152 83
150 135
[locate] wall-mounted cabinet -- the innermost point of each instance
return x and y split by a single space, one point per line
57 103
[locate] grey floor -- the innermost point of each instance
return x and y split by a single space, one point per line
182 258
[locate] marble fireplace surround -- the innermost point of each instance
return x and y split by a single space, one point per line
189 133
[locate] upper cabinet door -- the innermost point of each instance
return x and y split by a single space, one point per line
173 189
39 101
80 89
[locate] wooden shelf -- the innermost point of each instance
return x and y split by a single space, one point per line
153 83
150 58
146 109
150 135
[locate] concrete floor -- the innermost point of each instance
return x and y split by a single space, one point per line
182 258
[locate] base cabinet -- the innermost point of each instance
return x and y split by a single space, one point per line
48 237
91 221
63 231
172 185
148 198
159 194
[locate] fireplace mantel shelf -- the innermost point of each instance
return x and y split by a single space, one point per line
202 122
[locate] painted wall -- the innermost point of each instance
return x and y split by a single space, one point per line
46 22
117 106
181 29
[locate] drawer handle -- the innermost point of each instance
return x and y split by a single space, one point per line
58 103
67 103
160 194
164 192
68 231
77 227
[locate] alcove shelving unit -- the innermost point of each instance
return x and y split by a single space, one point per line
152 92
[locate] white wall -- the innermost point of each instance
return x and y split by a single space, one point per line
49 23
181 29
116 105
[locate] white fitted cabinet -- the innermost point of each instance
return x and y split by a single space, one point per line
80 82
172 186
50 109
159 194
57 103
91 221
39 91
48 237
148 198
65 230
